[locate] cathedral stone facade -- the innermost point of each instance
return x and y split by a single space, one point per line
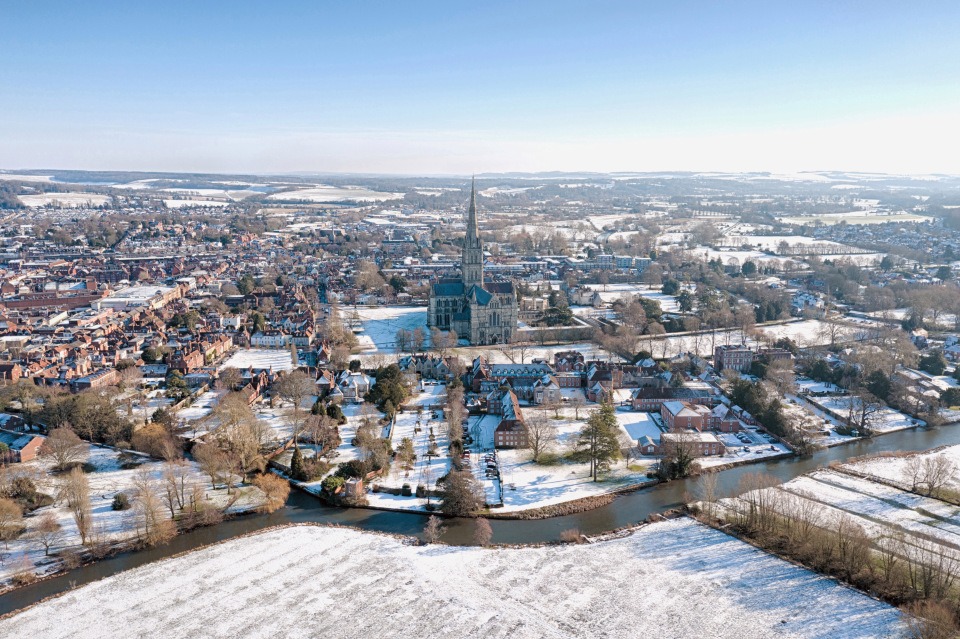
481 312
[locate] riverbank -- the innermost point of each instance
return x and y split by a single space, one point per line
277 578
624 511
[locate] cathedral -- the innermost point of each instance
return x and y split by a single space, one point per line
481 312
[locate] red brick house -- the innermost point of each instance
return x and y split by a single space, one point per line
702 444
679 416
21 447
10 371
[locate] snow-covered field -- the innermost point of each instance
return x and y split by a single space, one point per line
855 217
671 580
108 525
892 468
612 292
260 359
379 325
64 200
201 407
179 204
882 420
879 509
334 194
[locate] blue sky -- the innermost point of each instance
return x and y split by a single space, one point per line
444 87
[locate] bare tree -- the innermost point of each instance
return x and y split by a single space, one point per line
417 340
65 448
275 489
152 526
928 474
47 532
442 341
213 462
434 530
541 433
402 340
11 520
74 490
294 388
482 532
706 491
577 402
229 378
176 479
242 445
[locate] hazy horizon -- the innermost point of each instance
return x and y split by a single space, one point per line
440 89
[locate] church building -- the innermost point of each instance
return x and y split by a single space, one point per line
481 312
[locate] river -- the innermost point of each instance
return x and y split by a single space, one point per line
625 510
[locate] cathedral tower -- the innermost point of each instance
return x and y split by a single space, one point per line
472 260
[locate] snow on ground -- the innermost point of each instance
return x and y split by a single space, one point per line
25 178
64 200
426 469
892 468
529 485
259 359
636 425
883 420
108 525
138 410
201 407
806 385
501 354
179 204
612 292
879 509
355 414
757 447
815 422
380 324
672 580
334 194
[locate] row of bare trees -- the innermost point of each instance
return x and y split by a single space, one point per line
912 570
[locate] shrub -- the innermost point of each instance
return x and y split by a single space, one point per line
332 484
120 502
571 536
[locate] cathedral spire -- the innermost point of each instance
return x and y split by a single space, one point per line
472 231
472 263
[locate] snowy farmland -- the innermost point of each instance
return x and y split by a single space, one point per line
179 204
671 580
924 526
321 194
893 469
64 200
